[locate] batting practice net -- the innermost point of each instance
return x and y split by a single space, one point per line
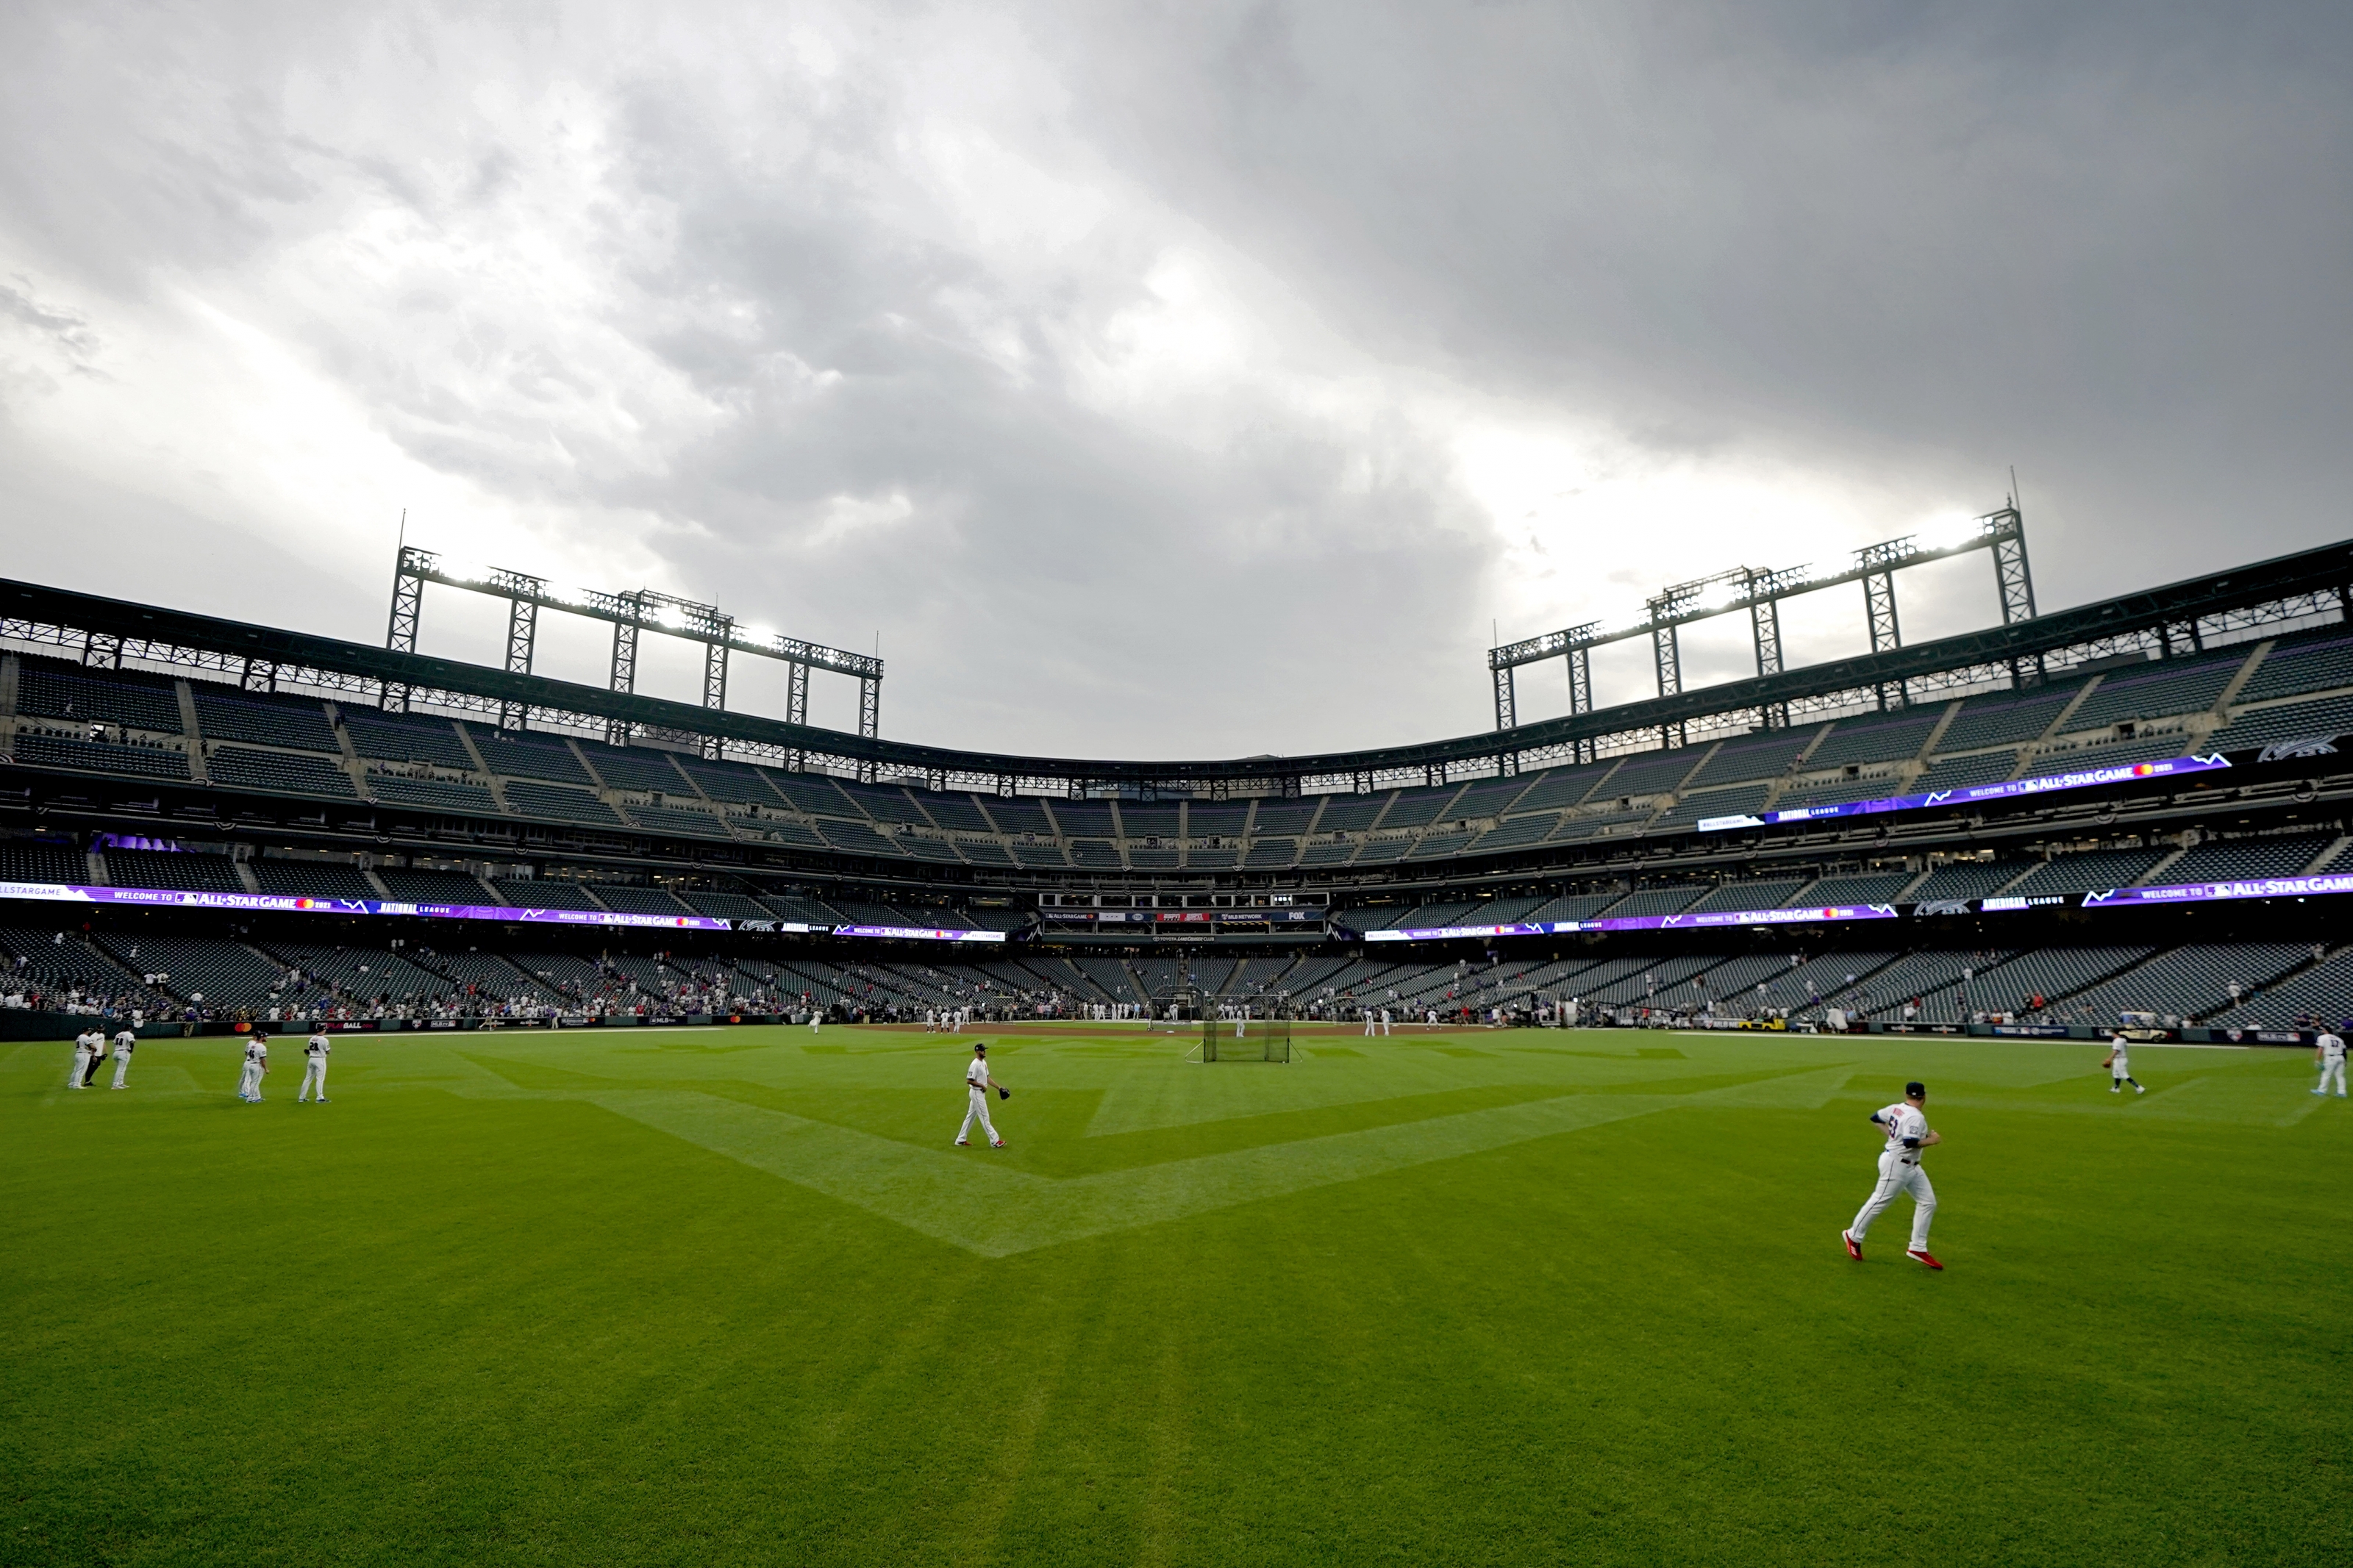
1259 1039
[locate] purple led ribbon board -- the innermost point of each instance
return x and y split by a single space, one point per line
919 933
2202 892
274 903
1805 915
1971 795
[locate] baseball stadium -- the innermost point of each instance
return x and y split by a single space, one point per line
1435 1152
1272 784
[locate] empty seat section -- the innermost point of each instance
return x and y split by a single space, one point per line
133 761
21 861
2156 694
282 773
311 879
543 895
548 761
2236 859
648 769
559 804
133 702
1966 879
426 886
1752 759
192 873
289 721
431 741
2089 873
431 795
636 900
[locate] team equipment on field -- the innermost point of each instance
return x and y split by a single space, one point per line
1263 1038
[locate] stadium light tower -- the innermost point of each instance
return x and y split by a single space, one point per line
630 614
1760 594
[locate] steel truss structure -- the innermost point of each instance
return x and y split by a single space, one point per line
2263 598
630 614
1760 593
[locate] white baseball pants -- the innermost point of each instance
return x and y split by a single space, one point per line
2337 1068
81 1066
979 1107
1370 1024
316 1073
121 1067
1897 1178
249 1086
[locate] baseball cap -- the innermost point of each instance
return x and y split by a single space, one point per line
1916 1091
979 1050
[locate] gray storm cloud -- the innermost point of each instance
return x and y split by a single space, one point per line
1162 380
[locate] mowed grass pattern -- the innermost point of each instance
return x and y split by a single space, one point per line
729 1296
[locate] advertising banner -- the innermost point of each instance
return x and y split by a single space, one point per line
1972 795
274 903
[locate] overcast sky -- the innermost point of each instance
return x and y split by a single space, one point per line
1163 380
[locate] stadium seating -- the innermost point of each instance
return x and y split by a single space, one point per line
529 757
288 722
559 804
434 887
26 860
137 760
133 700
431 793
433 742
194 873
311 879
281 772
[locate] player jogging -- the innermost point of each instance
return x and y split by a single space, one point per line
2329 1052
2119 1065
256 1064
976 1087
1908 1132
315 1071
124 1042
86 1045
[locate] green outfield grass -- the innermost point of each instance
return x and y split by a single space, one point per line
728 1296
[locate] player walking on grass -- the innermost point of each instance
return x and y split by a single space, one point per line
2119 1065
315 1072
125 1041
2329 1052
86 1045
1908 1132
256 1064
976 1087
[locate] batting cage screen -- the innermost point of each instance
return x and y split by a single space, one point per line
1261 1040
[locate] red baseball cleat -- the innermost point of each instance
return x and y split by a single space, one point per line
1854 1247
1928 1260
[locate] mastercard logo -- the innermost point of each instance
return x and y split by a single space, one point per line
2143 770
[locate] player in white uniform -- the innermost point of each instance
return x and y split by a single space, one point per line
1372 1023
87 1046
125 1041
1908 1132
2329 1052
315 1072
1385 1021
976 1087
256 1063
2119 1065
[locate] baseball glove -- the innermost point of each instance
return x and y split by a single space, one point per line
1003 1092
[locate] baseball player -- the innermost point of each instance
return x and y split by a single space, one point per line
256 1064
87 1046
2329 1052
1908 1133
976 1087
1372 1023
2119 1065
315 1071
125 1041
1385 1021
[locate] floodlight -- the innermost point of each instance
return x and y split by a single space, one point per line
1947 533
671 616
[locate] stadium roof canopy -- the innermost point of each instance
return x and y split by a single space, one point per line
2179 617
